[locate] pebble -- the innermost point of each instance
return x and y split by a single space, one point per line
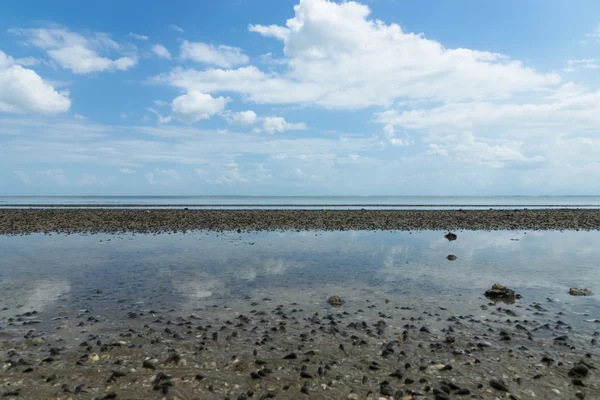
499 385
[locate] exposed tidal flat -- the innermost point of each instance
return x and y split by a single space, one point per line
15 221
217 314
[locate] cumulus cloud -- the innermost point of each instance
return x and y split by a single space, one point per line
221 56
231 174
339 58
194 106
279 124
24 91
161 51
389 137
77 52
163 177
241 118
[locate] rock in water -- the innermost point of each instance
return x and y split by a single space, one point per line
580 292
450 236
499 291
335 301
451 257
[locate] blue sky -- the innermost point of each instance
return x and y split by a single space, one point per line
299 97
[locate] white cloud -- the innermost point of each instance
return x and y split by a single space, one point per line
23 176
278 32
79 116
161 51
573 65
242 118
279 124
55 176
24 91
176 28
159 118
124 115
221 56
163 177
496 153
194 106
160 103
137 36
566 111
27 61
339 58
230 175
77 52
127 171
389 137
595 34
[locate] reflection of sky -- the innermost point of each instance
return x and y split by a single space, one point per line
30 295
180 270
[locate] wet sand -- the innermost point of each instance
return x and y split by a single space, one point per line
19 221
366 349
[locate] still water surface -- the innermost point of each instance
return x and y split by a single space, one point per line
183 272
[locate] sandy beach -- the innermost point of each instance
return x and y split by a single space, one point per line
18 221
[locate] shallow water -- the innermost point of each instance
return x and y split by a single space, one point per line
184 272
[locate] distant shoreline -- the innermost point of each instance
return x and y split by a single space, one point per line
95 220
299 205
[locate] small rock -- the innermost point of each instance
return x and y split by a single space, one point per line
94 357
499 385
579 370
335 301
580 292
38 341
451 257
291 356
499 291
450 236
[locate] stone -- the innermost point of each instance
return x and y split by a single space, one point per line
579 370
37 341
450 236
499 291
499 385
580 292
335 301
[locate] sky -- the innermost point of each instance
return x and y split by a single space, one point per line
300 97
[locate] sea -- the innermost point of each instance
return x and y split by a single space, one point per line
300 202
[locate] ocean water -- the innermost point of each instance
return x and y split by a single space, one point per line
345 202
182 272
